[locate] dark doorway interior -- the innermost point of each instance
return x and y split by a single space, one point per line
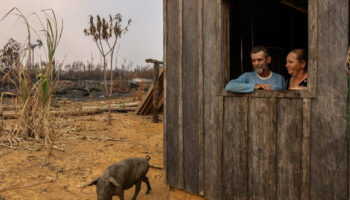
273 23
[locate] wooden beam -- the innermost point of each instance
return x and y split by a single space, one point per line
153 61
143 107
155 91
297 5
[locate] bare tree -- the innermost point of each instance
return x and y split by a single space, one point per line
105 34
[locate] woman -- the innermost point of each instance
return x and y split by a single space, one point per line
296 66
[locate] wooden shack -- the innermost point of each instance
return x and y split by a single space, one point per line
266 144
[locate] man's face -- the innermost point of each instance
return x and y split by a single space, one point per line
260 62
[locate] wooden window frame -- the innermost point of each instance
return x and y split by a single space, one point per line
224 66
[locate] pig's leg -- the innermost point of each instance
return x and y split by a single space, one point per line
145 179
137 189
121 195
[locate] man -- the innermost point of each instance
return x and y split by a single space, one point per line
261 78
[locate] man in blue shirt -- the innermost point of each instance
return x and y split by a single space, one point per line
260 78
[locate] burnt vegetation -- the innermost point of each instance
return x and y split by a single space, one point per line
80 70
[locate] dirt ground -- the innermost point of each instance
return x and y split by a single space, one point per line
84 147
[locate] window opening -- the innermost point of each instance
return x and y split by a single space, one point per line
280 25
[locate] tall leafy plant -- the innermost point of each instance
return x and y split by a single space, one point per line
36 93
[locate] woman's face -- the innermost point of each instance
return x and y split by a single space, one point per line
293 65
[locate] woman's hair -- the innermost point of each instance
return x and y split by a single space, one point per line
301 55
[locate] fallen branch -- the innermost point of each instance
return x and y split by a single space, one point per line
76 113
156 167
58 149
12 115
91 138
30 149
4 145
24 186
111 139
121 109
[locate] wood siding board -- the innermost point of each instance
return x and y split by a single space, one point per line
328 121
219 85
262 148
235 149
289 148
305 159
172 100
219 159
220 43
244 192
312 45
191 42
200 100
210 100
180 90
226 43
164 83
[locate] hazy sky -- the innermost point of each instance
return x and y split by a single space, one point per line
144 39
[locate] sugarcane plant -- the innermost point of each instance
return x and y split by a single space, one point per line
34 91
106 34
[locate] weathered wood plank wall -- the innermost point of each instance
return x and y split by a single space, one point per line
173 63
190 81
289 150
305 152
237 147
263 148
328 121
211 58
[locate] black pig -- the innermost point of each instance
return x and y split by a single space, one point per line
121 176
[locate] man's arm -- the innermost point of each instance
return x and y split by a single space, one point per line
284 85
240 84
262 86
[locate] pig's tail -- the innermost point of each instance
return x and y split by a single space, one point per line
148 158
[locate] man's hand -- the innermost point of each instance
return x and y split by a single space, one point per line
262 86
298 88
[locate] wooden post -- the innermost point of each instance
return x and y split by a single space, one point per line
155 91
155 87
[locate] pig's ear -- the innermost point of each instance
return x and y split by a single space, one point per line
114 182
93 182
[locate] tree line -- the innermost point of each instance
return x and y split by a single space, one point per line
77 70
